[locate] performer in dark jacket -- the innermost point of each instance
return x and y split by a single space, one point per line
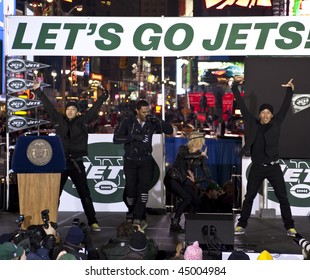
262 140
136 132
73 131
187 175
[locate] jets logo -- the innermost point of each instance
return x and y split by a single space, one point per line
302 101
105 173
16 103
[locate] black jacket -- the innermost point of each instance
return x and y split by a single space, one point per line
73 133
272 133
191 161
135 149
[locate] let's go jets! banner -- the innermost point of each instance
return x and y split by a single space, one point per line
157 36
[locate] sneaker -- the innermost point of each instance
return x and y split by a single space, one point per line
291 232
239 230
95 227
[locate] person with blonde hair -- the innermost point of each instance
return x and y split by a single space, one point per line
184 177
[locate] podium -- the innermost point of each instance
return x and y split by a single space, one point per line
38 162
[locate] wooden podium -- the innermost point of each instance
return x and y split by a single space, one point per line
38 162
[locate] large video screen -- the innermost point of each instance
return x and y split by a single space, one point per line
213 100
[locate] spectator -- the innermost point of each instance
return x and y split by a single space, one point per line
193 252
238 255
141 247
78 243
226 198
65 256
117 248
179 252
9 251
265 256
39 254
209 198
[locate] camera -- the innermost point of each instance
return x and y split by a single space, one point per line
19 221
45 218
151 118
302 242
34 236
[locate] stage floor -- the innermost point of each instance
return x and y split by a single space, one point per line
261 234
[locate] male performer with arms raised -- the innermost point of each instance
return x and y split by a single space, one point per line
72 127
262 140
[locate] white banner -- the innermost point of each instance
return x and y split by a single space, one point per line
157 36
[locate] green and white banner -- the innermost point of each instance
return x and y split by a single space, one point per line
157 36
296 174
105 176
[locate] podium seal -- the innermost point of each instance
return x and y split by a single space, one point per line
39 152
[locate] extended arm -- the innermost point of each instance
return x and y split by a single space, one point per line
244 110
49 107
287 100
92 112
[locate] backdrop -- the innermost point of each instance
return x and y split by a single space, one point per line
263 79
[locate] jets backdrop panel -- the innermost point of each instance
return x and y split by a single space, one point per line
105 175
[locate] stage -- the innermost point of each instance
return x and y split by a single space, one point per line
261 234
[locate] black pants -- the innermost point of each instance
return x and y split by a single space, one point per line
274 175
138 175
189 196
79 178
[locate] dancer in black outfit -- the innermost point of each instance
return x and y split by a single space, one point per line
136 132
262 140
72 127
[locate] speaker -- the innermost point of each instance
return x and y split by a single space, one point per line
213 231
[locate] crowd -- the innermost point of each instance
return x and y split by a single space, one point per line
40 243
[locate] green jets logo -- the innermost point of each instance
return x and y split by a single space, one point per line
105 173
296 175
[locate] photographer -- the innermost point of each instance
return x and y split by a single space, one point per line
42 240
77 243
38 241
136 133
